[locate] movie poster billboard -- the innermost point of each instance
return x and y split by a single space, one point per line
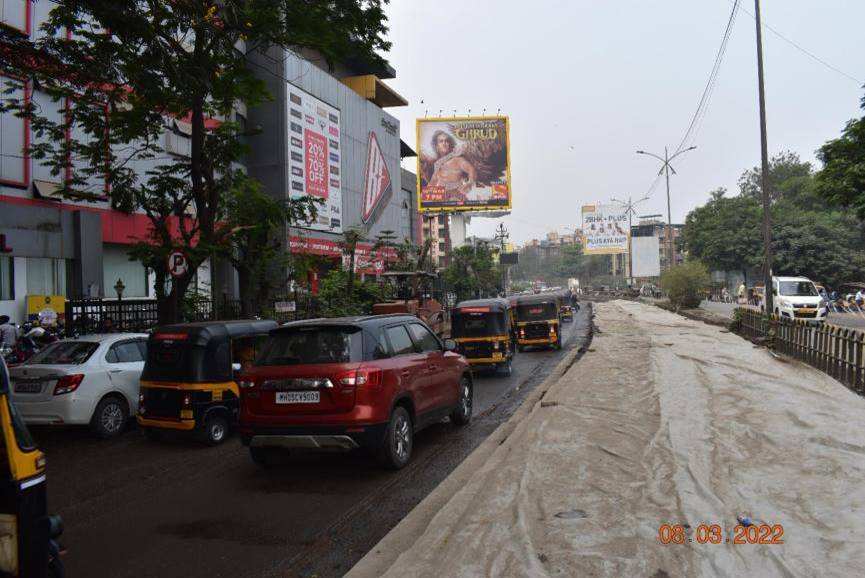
314 156
604 230
463 164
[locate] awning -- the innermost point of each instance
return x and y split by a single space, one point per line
373 89
405 150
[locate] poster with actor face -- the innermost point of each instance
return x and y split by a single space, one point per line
463 164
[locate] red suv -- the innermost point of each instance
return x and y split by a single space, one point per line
353 382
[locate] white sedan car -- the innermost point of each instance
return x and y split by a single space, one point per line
93 379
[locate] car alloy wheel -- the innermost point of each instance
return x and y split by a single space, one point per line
112 417
401 437
465 399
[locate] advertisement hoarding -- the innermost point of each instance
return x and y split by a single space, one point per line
604 230
463 164
314 156
647 256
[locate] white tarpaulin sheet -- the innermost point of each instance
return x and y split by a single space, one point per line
664 421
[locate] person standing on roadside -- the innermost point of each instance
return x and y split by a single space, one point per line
8 332
741 293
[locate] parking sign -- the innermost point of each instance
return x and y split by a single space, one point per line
178 264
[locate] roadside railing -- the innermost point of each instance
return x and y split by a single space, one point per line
836 351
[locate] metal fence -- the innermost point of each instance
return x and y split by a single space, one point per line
85 316
837 351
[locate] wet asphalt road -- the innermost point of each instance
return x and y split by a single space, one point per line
133 508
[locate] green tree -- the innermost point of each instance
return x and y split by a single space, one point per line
472 272
350 238
842 180
256 251
131 65
787 176
685 284
572 262
725 233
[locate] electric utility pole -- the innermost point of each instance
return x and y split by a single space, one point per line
501 236
667 168
629 208
764 151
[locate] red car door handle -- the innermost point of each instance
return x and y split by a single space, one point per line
433 367
405 373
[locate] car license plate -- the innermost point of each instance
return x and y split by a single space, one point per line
297 397
804 311
28 387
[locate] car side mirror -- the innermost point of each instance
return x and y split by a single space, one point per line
774 291
450 344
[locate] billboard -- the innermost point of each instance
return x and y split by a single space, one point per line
604 230
377 185
463 164
646 255
314 156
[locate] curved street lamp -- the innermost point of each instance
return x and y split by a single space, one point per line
666 168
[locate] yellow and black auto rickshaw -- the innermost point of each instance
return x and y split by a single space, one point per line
189 378
27 546
538 320
483 330
566 305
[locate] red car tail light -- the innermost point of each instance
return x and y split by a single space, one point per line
363 376
68 383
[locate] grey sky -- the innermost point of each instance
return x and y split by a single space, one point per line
586 83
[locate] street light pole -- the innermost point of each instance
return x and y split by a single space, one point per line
629 207
666 169
501 235
764 151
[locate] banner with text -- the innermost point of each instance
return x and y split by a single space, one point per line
604 230
314 156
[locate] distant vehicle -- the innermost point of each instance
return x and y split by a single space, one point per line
538 321
93 379
483 330
574 285
353 382
798 298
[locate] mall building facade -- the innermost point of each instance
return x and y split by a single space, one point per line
325 133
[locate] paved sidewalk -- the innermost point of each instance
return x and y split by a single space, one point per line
664 421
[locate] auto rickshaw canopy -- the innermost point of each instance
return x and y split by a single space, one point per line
198 352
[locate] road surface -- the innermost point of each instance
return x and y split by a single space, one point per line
851 320
134 508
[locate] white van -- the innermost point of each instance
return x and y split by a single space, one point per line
798 298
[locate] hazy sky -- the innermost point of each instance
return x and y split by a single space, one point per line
588 82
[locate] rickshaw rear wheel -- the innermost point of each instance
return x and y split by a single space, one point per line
215 430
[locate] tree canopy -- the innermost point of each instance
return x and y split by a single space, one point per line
129 71
842 180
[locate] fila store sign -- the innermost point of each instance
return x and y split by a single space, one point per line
377 187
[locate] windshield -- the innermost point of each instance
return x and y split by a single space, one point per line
797 289
307 345
478 324
64 353
537 312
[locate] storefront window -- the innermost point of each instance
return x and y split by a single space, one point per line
116 265
7 279
46 276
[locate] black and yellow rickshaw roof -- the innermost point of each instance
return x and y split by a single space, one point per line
202 332
537 299
495 305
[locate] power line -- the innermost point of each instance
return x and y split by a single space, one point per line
803 50
710 83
